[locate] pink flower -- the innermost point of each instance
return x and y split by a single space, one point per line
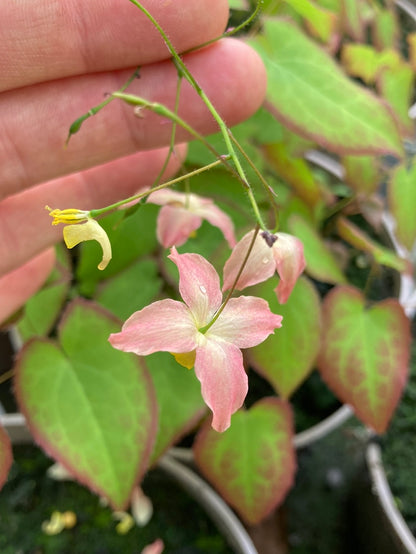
280 252
182 214
178 327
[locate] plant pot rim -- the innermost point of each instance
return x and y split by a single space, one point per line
382 491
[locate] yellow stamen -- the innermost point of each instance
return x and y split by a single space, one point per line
69 216
187 359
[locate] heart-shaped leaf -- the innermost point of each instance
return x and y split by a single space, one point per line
314 97
178 394
252 464
285 358
91 407
365 353
6 456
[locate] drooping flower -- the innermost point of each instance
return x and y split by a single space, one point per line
182 214
80 226
178 327
280 252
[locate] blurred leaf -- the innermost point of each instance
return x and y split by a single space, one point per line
252 464
130 237
130 290
313 96
365 352
295 171
320 22
360 240
402 203
385 28
361 60
6 456
362 173
178 394
396 85
89 406
320 262
353 19
286 357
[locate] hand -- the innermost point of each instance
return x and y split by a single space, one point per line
57 60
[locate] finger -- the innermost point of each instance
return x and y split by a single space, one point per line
19 285
43 40
25 226
230 73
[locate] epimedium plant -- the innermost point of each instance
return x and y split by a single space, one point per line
249 207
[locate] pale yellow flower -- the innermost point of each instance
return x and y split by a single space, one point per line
81 227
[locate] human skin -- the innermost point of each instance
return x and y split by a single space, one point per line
58 59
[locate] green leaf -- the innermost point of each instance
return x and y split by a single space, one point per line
43 308
130 290
321 22
362 173
6 456
287 357
130 237
320 262
352 19
252 464
90 407
396 85
313 96
295 171
365 353
361 60
386 29
402 203
178 394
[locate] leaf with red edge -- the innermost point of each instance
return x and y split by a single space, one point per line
6 456
313 96
365 353
89 406
286 358
252 464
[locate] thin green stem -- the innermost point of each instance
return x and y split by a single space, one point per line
76 125
163 111
232 289
223 127
140 195
232 31
173 133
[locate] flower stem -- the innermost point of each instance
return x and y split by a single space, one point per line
223 127
232 289
140 195
76 125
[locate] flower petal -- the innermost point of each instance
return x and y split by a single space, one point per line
166 325
218 218
175 224
290 263
259 267
245 322
199 285
91 230
224 384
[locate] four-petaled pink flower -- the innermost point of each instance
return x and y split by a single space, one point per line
182 214
280 252
178 327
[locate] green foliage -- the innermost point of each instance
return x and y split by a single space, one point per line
89 405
